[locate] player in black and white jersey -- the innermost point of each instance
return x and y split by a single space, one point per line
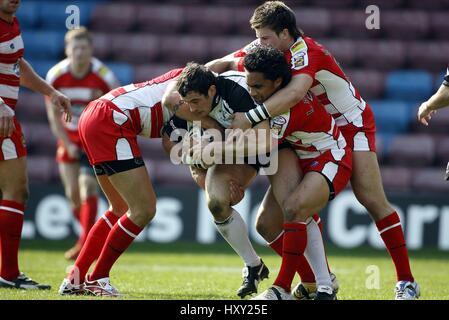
204 93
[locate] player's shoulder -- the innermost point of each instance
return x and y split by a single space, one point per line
99 68
59 69
231 81
299 53
104 72
236 76
252 45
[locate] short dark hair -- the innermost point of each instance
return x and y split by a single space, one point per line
195 77
268 61
276 16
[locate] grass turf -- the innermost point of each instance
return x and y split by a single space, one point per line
187 271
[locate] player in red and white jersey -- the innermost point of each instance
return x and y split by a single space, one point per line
314 69
82 78
325 163
108 129
15 71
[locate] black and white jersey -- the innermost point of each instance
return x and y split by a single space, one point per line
232 96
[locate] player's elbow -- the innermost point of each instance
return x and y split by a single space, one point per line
169 100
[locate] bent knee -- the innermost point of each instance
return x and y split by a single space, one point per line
296 210
20 194
217 208
144 216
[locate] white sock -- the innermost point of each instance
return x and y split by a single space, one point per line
316 256
235 232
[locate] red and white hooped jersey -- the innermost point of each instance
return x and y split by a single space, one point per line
309 129
141 102
331 86
98 81
11 51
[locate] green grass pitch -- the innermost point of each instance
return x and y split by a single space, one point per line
187 271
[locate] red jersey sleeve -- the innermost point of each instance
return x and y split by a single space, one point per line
304 58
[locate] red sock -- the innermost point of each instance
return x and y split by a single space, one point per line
295 242
88 214
76 214
92 248
11 222
391 232
119 239
303 269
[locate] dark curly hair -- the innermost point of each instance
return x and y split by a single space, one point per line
268 61
195 78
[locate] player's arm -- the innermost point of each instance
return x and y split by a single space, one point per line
439 100
224 64
7 126
199 175
168 143
172 101
31 80
280 102
57 127
249 143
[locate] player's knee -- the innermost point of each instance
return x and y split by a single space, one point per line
296 210
73 195
25 194
144 216
19 194
119 209
89 191
216 207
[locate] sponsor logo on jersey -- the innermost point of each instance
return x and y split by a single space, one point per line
298 46
103 71
311 110
16 69
298 60
277 124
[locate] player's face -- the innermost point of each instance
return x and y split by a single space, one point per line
259 87
79 51
199 104
268 37
9 6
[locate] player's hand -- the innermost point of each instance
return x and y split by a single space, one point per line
425 114
61 102
236 192
240 121
73 151
7 126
